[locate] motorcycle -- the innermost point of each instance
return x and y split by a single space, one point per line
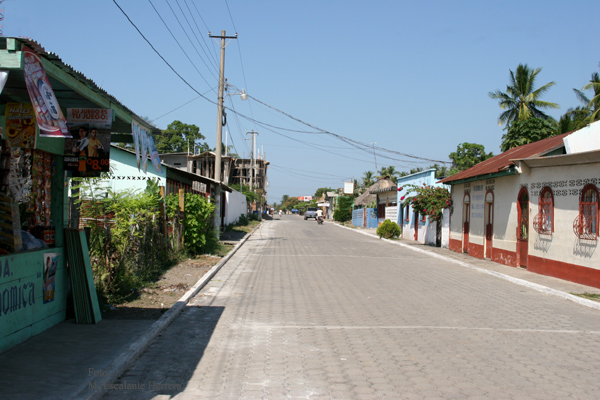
320 220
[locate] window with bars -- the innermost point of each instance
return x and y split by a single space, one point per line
585 225
543 222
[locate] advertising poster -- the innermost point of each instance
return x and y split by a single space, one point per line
50 266
154 154
135 132
87 153
20 125
49 116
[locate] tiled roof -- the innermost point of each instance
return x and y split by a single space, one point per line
502 162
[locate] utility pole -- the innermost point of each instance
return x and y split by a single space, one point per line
217 217
252 159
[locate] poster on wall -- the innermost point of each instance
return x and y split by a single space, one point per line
50 266
87 154
49 116
20 125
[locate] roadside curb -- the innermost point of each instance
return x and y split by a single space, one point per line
540 288
126 358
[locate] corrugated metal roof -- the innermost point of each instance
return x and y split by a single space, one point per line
66 96
502 162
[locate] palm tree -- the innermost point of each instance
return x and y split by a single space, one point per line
593 104
521 100
367 179
390 172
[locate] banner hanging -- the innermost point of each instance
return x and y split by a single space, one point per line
49 116
135 132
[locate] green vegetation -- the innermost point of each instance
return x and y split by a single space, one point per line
179 137
589 296
430 200
521 99
129 248
388 230
343 211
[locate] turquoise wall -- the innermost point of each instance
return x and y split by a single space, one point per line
22 309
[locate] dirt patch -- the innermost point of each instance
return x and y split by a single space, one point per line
154 300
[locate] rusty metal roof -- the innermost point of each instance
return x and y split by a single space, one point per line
15 89
503 162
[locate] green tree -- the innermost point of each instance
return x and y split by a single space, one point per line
467 155
320 192
573 119
521 99
178 136
343 210
591 105
527 131
367 179
389 172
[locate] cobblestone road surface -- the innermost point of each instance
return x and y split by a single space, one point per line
304 311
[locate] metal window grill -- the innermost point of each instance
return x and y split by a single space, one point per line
585 225
542 223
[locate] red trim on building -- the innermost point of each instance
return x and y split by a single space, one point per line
505 257
562 270
455 245
476 250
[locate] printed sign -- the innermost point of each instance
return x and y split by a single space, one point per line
49 116
50 266
87 154
20 125
96 117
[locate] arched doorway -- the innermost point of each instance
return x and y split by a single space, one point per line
466 221
523 228
489 222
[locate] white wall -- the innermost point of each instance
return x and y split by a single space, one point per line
235 206
566 183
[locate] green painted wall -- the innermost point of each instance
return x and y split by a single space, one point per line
22 309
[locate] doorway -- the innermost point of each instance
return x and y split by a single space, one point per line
466 221
523 228
489 223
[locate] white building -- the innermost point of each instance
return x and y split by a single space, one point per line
534 206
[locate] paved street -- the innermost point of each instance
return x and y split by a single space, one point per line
320 312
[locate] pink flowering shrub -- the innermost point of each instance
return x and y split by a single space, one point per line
430 200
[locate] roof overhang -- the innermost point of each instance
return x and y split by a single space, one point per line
562 160
71 88
510 171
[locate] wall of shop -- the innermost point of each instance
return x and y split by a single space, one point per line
31 299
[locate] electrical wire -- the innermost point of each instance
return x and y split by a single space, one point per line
160 55
192 43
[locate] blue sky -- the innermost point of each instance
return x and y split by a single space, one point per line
413 77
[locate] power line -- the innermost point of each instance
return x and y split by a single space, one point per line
188 36
160 55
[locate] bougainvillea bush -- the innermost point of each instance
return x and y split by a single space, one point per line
430 200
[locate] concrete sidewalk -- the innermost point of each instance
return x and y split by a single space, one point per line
76 361
546 284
